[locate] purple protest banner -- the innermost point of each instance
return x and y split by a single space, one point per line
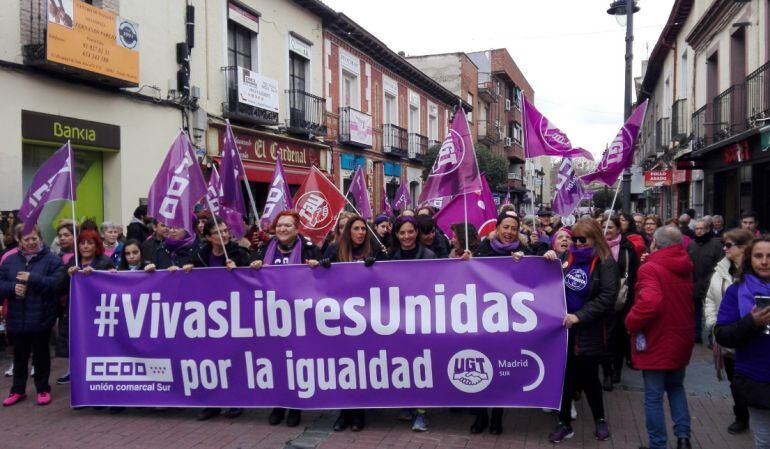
361 194
484 332
52 181
542 138
569 189
620 154
279 196
177 187
455 170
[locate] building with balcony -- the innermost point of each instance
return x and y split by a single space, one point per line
707 83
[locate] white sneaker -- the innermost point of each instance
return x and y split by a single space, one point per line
573 412
9 371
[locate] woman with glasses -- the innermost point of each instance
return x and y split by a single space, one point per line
725 273
591 285
288 247
651 223
742 323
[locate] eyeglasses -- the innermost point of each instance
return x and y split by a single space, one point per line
578 239
729 245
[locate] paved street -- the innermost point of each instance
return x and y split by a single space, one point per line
29 426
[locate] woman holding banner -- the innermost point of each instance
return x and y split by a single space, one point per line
90 257
458 240
406 245
356 244
29 279
175 252
591 286
288 247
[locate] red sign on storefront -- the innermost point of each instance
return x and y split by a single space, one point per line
737 152
261 148
657 178
680 176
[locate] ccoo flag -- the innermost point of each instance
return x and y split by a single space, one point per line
233 174
542 138
279 197
232 218
214 192
387 209
403 200
569 189
482 212
318 203
177 187
620 154
361 194
455 170
53 181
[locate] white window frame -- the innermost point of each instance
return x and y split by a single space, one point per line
355 77
432 130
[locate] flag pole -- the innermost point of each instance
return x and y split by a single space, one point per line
245 181
526 156
465 212
72 202
612 206
219 233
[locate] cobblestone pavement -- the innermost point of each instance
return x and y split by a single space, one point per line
27 425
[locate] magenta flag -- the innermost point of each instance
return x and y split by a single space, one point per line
455 170
232 218
402 200
387 209
482 212
361 194
177 187
279 196
569 189
507 199
620 154
214 192
542 138
233 174
53 181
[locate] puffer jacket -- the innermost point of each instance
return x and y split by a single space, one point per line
36 312
720 280
663 311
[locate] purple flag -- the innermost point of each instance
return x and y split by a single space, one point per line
620 154
233 174
455 170
53 181
361 194
542 138
387 209
569 189
214 192
507 199
482 212
232 218
177 187
402 200
488 333
279 196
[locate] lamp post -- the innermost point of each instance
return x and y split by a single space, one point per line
618 9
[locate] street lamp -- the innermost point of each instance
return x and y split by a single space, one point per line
618 9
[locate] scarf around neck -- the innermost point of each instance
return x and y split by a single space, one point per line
175 245
615 246
582 255
750 287
295 258
501 248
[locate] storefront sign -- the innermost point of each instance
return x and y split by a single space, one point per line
89 38
257 90
737 152
657 178
56 128
679 176
689 165
265 149
360 127
243 17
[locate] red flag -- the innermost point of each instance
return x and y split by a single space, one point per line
318 203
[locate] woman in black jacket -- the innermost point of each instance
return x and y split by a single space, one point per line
355 244
175 252
591 286
90 258
406 244
288 247
620 345
29 279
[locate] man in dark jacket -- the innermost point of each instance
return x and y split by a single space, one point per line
138 229
151 245
661 326
705 252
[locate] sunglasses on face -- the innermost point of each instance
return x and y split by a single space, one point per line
729 245
578 239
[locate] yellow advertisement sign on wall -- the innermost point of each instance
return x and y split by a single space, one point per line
92 39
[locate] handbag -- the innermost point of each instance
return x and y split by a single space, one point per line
622 299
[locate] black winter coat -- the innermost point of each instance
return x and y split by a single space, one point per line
422 253
36 312
165 257
137 231
592 334
237 254
332 252
485 250
704 256
309 250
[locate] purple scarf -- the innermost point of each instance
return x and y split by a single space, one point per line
29 255
175 245
750 287
501 248
582 255
295 258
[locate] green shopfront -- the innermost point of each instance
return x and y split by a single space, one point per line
42 135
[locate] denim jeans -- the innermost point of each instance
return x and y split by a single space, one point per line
671 382
760 425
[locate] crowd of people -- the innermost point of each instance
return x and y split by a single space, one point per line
639 295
